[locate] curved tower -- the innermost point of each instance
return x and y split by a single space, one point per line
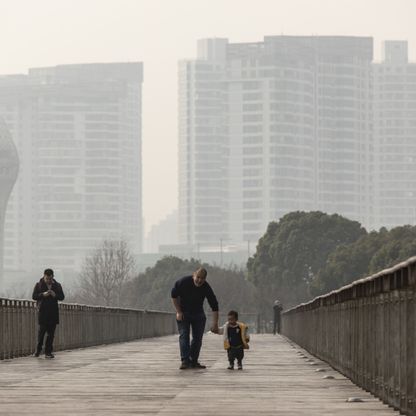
9 166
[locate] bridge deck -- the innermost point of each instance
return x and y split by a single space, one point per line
142 378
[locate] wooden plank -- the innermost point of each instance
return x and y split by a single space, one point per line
142 378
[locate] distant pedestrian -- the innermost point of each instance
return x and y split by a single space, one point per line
277 309
188 295
236 339
47 293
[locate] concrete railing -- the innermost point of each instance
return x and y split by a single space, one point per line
367 331
80 326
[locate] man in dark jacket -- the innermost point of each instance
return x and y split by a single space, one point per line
188 295
47 292
277 321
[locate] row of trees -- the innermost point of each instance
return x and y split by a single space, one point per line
308 254
299 257
151 289
371 253
108 278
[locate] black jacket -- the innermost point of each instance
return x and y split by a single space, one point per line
192 297
48 306
277 310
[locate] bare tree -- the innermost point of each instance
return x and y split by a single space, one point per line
105 272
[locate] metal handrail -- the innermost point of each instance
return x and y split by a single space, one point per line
367 331
80 326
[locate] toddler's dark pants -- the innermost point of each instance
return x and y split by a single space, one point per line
235 353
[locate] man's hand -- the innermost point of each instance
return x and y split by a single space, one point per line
179 316
215 329
51 292
46 294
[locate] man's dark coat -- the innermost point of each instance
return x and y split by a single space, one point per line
48 306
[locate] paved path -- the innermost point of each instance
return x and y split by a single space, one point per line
142 378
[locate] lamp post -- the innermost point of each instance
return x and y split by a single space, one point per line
221 252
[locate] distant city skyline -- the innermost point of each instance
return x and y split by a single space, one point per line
267 128
162 32
77 129
294 123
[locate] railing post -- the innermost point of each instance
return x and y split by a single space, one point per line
2 329
411 343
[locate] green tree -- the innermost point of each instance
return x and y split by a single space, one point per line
399 246
292 251
368 255
348 262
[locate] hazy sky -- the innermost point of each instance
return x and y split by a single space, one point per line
159 33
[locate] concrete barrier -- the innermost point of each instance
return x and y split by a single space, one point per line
367 331
80 326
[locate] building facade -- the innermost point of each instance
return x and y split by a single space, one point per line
77 129
271 127
164 233
395 136
9 166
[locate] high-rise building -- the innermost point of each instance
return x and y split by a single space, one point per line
164 233
395 136
271 127
9 165
77 129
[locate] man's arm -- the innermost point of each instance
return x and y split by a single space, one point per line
177 305
37 294
58 293
175 295
213 303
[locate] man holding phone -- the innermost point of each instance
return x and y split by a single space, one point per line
47 293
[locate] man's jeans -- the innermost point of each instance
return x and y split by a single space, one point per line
50 330
190 350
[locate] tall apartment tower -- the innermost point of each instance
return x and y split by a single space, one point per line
9 166
271 127
395 136
203 143
77 129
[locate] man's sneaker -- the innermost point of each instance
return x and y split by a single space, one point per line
36 354
230 367
240 367
50 355
198 365
184 365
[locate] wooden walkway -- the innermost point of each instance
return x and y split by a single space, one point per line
142 378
